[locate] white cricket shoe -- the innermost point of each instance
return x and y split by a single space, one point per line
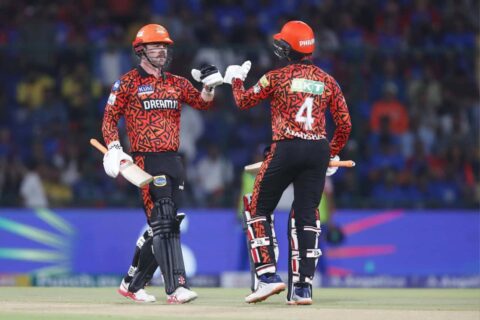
139 296
181 295
267 287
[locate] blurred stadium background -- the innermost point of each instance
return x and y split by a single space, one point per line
409 210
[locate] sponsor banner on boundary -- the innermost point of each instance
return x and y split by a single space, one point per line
402 282
242 280
397 243
86 280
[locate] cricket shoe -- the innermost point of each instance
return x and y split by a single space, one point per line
139 296
268 285
181 295
302 295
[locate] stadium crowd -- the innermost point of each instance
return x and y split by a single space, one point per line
408 68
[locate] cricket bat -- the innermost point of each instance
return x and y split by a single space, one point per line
255 167
128 169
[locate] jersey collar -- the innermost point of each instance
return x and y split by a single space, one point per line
304 61
145 74
142 72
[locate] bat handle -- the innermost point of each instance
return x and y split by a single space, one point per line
98 145
342 163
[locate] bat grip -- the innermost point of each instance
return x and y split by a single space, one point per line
342 163
100 147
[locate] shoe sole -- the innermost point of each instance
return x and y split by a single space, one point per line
130 296
300 303
181 302
277 290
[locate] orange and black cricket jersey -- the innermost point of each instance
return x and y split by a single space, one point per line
151 108
300 93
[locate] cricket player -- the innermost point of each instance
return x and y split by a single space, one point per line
300 94
150 99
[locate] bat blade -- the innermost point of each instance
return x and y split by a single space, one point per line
129 170
134 174
253 168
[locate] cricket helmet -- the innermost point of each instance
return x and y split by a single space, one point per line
295 36
149 34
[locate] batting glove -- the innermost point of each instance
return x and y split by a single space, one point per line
331 170
237 72
208 75
113 158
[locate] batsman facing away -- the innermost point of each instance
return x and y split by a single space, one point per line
150 99
300 153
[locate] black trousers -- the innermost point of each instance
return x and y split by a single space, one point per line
169 178
303 162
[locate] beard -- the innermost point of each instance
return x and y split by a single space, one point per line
159 60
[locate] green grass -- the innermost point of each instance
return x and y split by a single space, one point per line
227 304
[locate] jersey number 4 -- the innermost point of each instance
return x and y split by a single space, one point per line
304 115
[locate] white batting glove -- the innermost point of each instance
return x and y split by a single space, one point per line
208 75
331 170
237 72
113 158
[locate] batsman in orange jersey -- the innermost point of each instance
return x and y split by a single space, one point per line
300 94
150 99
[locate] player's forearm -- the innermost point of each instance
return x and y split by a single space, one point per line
110 128
201 101
343 123
242 97
340 138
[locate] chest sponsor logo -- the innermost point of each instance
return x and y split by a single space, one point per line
308 86
151 104
145 89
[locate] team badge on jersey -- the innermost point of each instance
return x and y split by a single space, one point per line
160 181
145 89
116 85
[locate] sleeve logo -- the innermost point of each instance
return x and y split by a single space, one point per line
264 81
111 99
116 85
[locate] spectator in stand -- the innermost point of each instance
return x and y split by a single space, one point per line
214 175
191 129
425 48
32 189
31 91
391 108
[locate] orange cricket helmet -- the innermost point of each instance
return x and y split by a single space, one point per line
149 34
298 35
